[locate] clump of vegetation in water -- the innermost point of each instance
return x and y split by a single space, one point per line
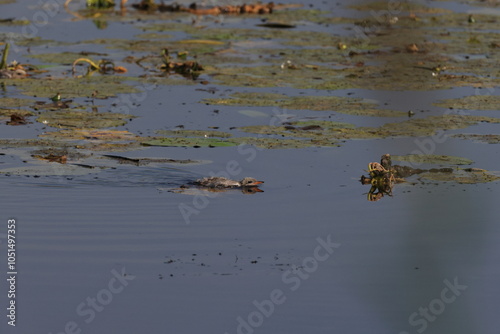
98 4
384 175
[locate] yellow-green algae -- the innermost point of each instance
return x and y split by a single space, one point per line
61 57
189 142
82 119
432 159
286 143
20 112
107 86
344 105
474 102
411 128
193 133
464 176
488 139
397 7
11 143
14 102
190 138
8 22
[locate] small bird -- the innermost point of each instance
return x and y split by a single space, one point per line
222 182
56 98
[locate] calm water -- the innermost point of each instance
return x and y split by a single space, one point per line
113 252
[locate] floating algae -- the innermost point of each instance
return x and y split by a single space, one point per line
11 102
474 102
193 133
189 142
107 86
20 112
285 143
82 119
384 176
63 58
397 7
488 139
411 128
432 159
464 176
344 105
107 135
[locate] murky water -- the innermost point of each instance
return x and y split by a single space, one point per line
113 251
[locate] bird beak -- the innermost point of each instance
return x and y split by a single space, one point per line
257 182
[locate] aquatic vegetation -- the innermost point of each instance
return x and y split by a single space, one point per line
107 135
13 102
474 102
344 105
464 176
14 70
107 86
82 119
384 176
189 69
285 143
17 119
422 49
193 133
97 4
103 66
432 159
410 128
20 112
189 142
194 8
397 7
489 139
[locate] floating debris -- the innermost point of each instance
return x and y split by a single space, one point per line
62 159
16 119
14 70
189 69
103 66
